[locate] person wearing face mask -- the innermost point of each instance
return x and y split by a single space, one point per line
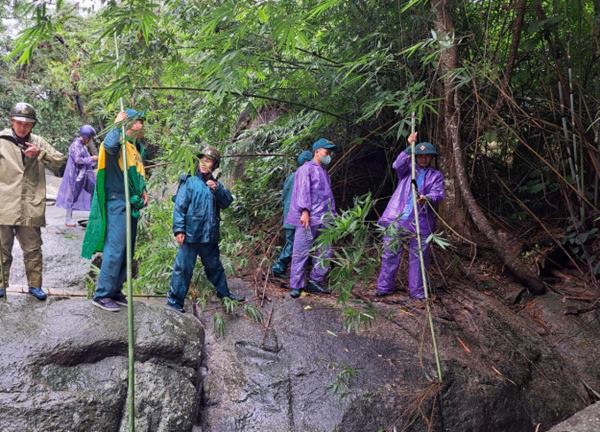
106 229
399 214
280 265
79 180
311 205
196 219
23 159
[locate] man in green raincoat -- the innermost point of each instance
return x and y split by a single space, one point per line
106 230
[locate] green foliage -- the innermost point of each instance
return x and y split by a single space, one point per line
356 319
343 380
229 305
253 313
155 246
90 280
438 240
354 257
219 325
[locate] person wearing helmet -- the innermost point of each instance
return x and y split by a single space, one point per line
23 159
280 265
311 206
196 218
399 221
106 230
79 180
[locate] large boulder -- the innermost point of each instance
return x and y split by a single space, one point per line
306 373
64 367
587 420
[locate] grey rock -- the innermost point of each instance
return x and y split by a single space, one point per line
306 373
64 367
587 420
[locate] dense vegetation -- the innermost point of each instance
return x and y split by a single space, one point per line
507 89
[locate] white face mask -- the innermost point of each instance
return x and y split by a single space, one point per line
325 160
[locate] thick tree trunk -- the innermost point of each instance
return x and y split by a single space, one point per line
453 207
449 60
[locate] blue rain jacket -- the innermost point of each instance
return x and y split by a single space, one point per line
286 198
197 209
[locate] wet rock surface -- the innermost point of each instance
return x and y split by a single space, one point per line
306 373
64 367
587 420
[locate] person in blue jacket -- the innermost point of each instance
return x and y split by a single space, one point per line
196 219
280 265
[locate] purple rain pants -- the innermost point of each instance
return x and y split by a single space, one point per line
303 241
390 261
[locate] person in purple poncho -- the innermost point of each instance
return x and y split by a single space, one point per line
311 206
399 213
77 186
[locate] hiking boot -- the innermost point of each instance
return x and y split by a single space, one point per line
232 296
38 293
314 287
295 293
120 299
175 308
383 293
106 304
279 274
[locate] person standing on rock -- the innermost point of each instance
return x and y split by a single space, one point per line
106 229
399 219
79 180
311 206
280 266
23 159
196 218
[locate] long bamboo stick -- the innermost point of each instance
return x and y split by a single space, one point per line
420 249
4 283
577 153
128 248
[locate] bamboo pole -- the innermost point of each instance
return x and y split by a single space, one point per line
4 283
565 129
577 153
420 249
130 323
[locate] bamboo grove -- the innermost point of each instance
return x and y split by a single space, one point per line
508 89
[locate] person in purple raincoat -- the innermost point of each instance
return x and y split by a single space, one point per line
78 182
399 213
311 206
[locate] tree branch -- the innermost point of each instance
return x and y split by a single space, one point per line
246 94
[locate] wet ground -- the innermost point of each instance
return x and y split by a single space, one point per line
64 269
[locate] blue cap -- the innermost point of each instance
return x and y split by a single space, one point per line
323 143
304 156
135 115
425 148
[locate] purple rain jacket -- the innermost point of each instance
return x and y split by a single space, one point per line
312 192
79 169
432 187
